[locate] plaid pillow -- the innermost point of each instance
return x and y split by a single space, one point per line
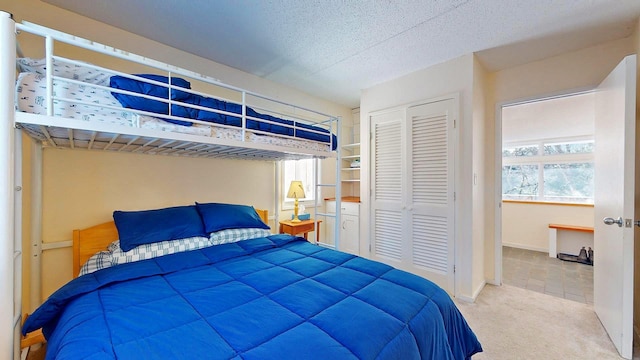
114 254
233 235
98 261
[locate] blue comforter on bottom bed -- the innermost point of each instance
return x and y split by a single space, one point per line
270 298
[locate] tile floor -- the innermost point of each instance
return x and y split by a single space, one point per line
534 270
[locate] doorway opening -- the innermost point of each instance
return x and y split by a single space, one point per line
547 178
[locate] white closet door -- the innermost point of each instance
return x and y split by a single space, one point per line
412 207
430 183
387 190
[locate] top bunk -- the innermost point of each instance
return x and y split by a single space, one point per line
102 98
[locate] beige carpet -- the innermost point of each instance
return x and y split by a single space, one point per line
514 323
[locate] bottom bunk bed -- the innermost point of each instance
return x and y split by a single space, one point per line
250 296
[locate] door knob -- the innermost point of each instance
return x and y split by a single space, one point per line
611 221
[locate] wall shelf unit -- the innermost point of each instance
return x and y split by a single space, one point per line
350 182
351 157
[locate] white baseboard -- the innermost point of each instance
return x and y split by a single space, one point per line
525 247
473 297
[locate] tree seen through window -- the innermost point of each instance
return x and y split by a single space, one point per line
558 172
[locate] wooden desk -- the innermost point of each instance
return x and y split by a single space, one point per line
302 227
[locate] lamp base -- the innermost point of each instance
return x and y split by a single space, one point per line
295 212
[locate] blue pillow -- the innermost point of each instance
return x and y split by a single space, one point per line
154 106
142 87
315 136
218 217
149 226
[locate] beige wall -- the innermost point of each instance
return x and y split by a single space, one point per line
480 157
82 188
526 225
562 74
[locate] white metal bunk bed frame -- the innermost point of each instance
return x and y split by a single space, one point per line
11 260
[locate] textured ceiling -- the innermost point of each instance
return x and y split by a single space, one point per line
335 48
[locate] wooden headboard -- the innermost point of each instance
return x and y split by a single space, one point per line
89 241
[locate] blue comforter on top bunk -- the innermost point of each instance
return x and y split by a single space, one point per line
278 297
159 107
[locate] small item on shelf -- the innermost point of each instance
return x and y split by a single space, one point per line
355 163
303 216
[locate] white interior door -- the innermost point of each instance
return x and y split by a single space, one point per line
614 198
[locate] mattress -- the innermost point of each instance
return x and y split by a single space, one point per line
85 102
277 297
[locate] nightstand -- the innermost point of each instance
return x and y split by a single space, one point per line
302 227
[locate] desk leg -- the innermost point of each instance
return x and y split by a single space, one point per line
305 236
318 232
280 230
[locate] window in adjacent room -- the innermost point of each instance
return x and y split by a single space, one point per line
559 172
303 170
547 152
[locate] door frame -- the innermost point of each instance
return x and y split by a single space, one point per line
497 278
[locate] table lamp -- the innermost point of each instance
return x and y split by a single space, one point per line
296 191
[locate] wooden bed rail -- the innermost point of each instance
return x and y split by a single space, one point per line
32 338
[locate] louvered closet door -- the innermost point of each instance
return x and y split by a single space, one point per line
387 166
430 183
412 209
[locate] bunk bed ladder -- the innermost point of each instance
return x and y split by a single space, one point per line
338 194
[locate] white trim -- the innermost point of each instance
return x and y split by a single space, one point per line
475 294
525 247
497 222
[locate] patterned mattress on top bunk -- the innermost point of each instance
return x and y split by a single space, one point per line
92 94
